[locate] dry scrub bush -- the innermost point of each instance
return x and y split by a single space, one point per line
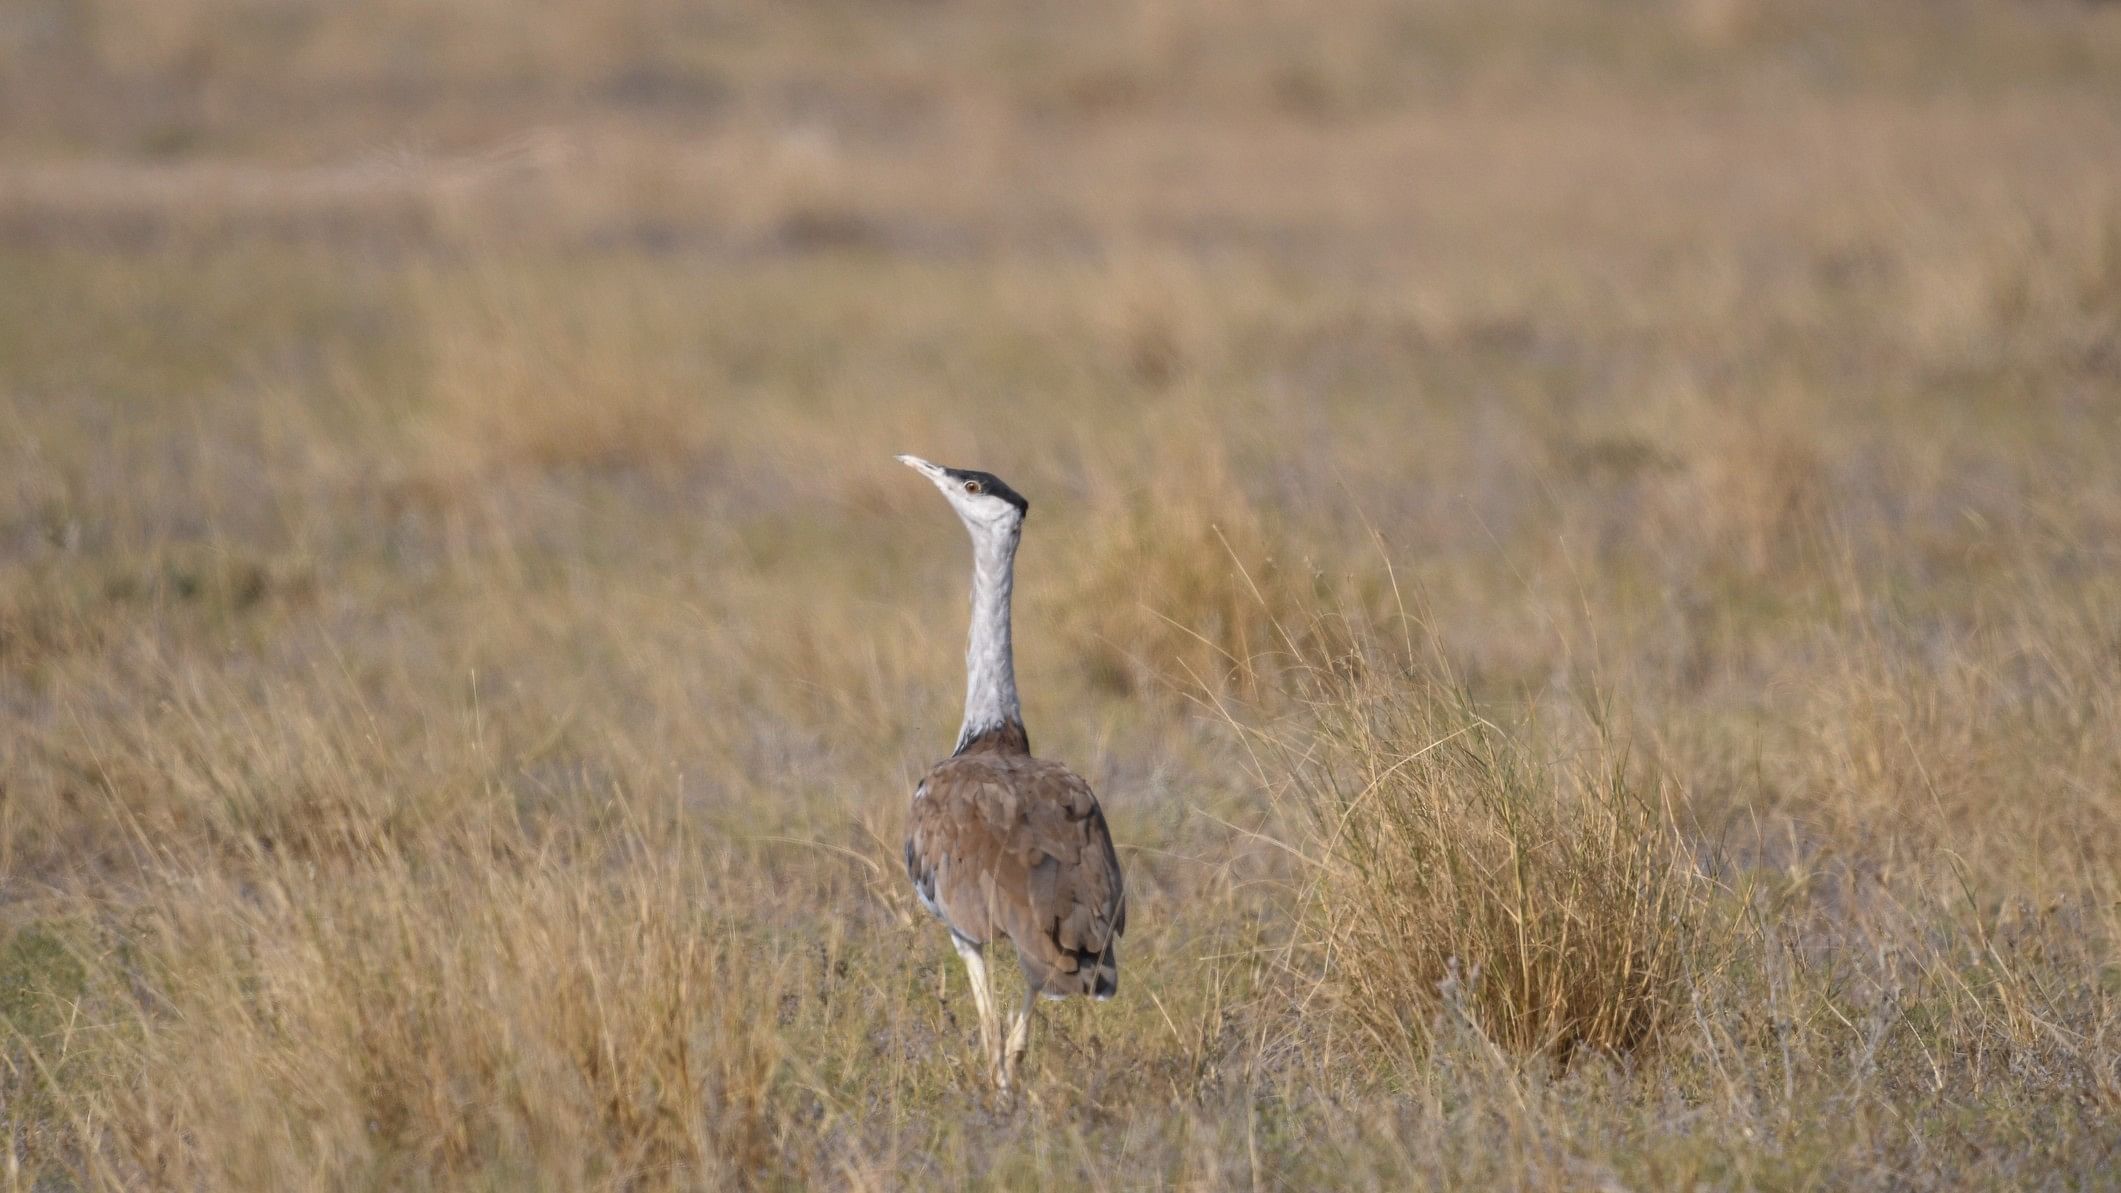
515 382
1190 584
1696 475
1463 875
1155 319
1752 490
2052 290
1995 743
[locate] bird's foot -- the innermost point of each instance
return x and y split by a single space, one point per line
1007 1065
1012 1094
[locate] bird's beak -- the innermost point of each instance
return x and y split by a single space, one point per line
933 472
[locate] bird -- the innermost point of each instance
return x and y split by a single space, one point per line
1001 845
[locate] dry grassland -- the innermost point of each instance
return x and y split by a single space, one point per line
1580 544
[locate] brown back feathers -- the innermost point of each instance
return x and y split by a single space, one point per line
1004 844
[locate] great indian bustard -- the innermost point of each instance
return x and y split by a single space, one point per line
1001 844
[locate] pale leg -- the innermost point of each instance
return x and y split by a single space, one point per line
982 997
1019 1037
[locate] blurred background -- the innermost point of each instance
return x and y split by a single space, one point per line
448 525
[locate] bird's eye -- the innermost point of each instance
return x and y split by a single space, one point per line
973 487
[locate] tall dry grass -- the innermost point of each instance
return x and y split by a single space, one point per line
544 1028
465 645
1464 877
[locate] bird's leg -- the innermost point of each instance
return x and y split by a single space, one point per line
982 997
1019 1036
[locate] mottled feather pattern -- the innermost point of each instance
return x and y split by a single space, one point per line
1004 844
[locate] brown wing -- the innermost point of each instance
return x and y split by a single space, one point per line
1008 845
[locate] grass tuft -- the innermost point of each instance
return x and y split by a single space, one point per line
466 648
1529 887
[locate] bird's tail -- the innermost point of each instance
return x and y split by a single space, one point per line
1095 974
1104 976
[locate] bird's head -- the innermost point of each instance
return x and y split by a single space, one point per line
990 509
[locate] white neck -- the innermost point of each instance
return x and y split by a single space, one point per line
990 662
